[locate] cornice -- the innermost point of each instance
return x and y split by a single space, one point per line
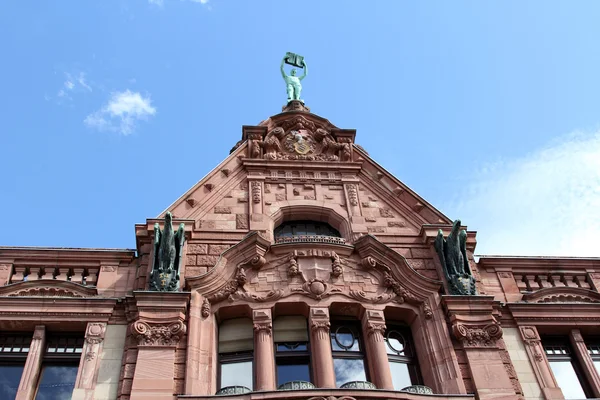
44 256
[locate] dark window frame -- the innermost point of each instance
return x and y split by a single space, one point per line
320 229
293 357
361 354
233 358
66 358
562 342
410 357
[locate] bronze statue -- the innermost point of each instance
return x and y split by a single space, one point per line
453 256
168 249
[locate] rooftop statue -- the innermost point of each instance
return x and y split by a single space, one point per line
453 256
294 88
168 249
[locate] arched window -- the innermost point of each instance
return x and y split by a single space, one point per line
236 353
348 353
401 357
307 231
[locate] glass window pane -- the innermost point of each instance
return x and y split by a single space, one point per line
567 379
292 347
400 375
348 370
57 382
292 372
10 376
237 374
342 339
597 365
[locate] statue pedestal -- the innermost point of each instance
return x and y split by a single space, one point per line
295 105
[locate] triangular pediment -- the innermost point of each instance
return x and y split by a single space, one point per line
295 159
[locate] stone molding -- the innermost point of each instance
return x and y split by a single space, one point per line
47 288
477 335
562 295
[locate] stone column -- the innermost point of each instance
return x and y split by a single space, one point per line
158 329
539 362
90 362
264 358
33 365
373 327
322 360
200 375
476 327
586 362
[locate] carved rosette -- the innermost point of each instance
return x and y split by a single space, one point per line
158 334
477 336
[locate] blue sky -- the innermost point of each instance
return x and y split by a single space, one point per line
111 110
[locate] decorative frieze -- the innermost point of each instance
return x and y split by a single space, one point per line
158 334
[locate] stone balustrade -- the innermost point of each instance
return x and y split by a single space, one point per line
82 276
532 282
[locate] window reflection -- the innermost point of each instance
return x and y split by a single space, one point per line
57 382
564 367
292 372
401 357
567 379
348 370
236 374
10 377
348 358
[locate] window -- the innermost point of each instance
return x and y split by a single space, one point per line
13 354
59 368
594 350
292 355
401 356
302 231
565 368
348 355
236 353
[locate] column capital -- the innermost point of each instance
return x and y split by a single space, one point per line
374 324
158 334
319 321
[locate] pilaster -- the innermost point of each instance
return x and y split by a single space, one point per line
158 327
475 325
541 367
373 326
33 365
322 359
264 361
90 361
583 356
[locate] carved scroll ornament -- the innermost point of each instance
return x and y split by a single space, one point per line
477 336
162 334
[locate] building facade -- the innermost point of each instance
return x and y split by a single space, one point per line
301 269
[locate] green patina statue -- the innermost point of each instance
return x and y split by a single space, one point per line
453 256
168 248
294 88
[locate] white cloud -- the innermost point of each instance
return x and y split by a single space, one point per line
547 203
121 113
69 85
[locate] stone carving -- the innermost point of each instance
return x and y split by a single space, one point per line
255 190
376 328
316 289
205 309
272 143
336 266
293 267
266 327
318 327
476 336
222 210
453 257
158 334
254 145
292 82
352 195
386 213
168 251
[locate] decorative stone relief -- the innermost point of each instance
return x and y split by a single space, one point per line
163 334
477 336
386 213
336 266
352 194
255 190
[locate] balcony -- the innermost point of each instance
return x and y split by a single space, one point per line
329 394
310 239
